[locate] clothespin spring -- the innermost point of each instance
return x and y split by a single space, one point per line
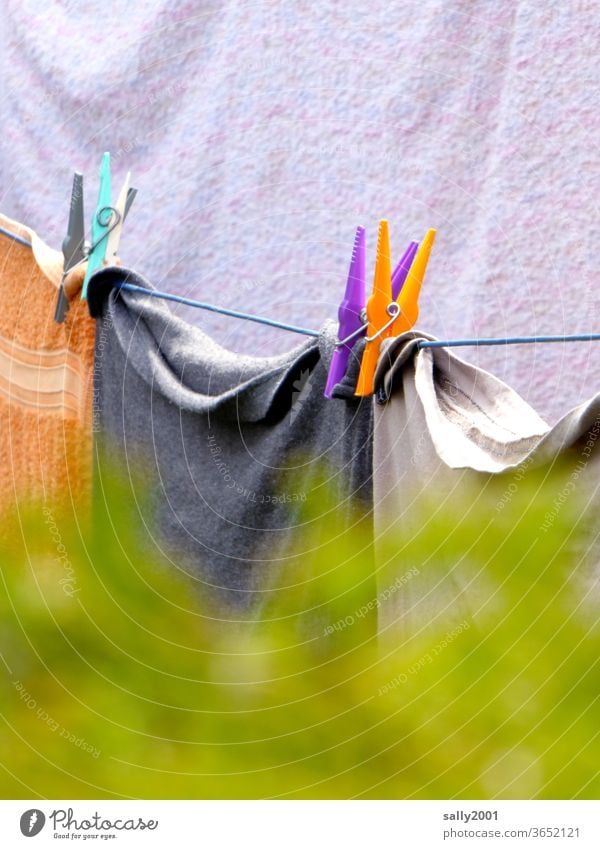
112 222
341 342
99 216
393 309
105 223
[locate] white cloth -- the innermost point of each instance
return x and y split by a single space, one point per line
445 428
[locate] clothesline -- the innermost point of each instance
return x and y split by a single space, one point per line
304 331
15 237
191 302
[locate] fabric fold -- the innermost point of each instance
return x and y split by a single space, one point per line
191 369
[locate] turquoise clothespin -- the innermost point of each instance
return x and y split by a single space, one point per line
101 221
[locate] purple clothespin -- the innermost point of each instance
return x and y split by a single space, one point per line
400 273
349 312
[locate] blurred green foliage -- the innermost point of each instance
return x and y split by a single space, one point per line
119 682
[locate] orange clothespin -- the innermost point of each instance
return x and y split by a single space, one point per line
408 299
379 317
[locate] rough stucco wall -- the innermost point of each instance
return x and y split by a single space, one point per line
260 134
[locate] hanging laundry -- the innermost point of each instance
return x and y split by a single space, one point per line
442 427
45 376
232 446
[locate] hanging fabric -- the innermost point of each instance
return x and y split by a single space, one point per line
442 429
234 448
45 375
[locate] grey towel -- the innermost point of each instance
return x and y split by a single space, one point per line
441 429
234 447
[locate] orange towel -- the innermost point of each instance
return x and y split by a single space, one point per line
45 377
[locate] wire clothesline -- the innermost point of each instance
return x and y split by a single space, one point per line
15 237
304 331
191 302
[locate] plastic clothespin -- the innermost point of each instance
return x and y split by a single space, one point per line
351 309
349 312
101 223
408 299
120 207
73 246
401 270
378 315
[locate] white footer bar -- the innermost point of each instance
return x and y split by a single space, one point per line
301 824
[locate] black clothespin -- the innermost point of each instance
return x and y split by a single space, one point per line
73 246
